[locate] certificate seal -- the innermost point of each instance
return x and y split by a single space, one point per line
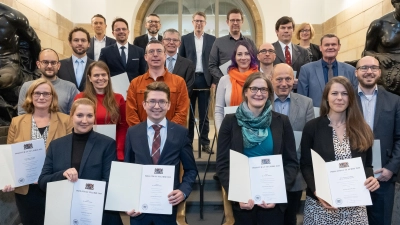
144 207
21 180
76 222
338 201
257 198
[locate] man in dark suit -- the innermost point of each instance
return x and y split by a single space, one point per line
100 40
74 68
175 63
381 110
196 46
167 144
123 57
286 52
153 25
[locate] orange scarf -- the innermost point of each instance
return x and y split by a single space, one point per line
237 80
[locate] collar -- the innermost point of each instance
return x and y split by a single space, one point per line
283 45
174 56
147 74
360 92
195 37
277 98
126 45
53 82
324 63
104 39
149 36
230 36
74 58
150 123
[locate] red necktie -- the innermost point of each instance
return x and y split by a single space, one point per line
288 58
155 149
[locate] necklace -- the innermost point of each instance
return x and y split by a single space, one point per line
335 125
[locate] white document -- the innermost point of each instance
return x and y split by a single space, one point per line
120 84
259 178
21 163
316 112
109 130
230 110
376 157
340 183
145 188
69 203
224 67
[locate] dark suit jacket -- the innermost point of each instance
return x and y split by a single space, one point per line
143 40
90 51
67 72
135 66
316 53
230 137
387 128
185 69
317 135
299 56
188 50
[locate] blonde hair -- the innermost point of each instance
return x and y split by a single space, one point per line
82 101
301 27
28 103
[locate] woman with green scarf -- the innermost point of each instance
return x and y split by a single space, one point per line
256 130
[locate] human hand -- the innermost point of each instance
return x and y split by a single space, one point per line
372 184
385 60
267 205
176 197
248 206
385 174
8 188
133 213
324 203
71 174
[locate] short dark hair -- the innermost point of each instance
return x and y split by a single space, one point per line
157 86
330 36
234 11
255 76
199 14
153 14
100 16
76 29
172 30
284 20
154 42
119 19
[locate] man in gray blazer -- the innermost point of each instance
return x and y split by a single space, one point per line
300 110
381 110
313 76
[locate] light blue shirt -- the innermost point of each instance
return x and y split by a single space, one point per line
173 61
368 103
151 131
79 70
282 106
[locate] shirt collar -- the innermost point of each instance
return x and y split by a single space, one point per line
126 45
360 92
102 40
174 56
195 37
163 123
240 38
325 64
74 58
149 36
284 45
277 98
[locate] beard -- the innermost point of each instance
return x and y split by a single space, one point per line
83 51
152 30
49 76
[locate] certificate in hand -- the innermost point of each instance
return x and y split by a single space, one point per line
80 202
230 110
144 188
340 183
109 130
259 178
224 67
21 163
120 84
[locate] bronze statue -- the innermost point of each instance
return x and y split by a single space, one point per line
19 49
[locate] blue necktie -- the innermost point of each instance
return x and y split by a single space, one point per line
123 56
79 71
170 65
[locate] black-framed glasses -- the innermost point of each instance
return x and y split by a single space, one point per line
235 20
121 29
199 21
160 103
254 90
365 68
265 51
46 62
37 94
168 40
305 30
152 51
153 21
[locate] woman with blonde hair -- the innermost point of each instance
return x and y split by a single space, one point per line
305 33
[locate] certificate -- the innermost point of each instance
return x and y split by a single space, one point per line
107 129
21 163
259 178
376 157
79 202
230 110
145 188
340 183
316 112
224 67
120 84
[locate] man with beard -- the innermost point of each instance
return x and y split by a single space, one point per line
266 55
153 25
100 40
381 110
123 57
49 66
73 69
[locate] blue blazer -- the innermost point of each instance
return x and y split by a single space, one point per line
135 66
312 80
90 51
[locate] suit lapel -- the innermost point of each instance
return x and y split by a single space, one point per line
71 71
117 54
341 71
279 52
177 63
380 99
295 53
143 141
293 108
167 145
27 131
52 128
320 74
276 132
88 149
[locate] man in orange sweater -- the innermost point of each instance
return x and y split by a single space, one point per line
155 57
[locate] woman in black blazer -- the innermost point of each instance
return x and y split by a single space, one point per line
255 114
305 33
339 133
83 154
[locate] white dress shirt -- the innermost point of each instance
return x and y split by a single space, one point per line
150 133
199 50
98 45
283 46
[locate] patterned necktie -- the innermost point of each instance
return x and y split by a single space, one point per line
155 148
79 71
170 66
152 39
123 56
330 72
288 57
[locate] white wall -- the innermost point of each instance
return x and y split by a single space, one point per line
63 7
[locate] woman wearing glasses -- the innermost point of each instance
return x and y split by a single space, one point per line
110 106
41 121
229 90
305 33
256 130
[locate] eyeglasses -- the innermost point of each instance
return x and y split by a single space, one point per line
365 68
254 90
37 94
121 29
168 40
199 21
264 51
235 21
152 51
305 31
153 21
287 79
161 103
46 63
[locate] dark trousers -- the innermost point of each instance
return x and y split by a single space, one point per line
154 219
293 205
203 97
258 216
31 206
380 213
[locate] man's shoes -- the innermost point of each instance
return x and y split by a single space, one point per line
206 148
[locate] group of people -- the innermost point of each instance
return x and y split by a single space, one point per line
275 88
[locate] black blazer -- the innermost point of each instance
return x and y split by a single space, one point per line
230 137
316 53
188 50
135 66
90 51
143 40
185 69
317 135
67 72
299 56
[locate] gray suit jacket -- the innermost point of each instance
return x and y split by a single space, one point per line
312 81
185 69
299 56
66 72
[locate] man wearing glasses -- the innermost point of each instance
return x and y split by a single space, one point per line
48 65
153 25
123 57
266 55
179 101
